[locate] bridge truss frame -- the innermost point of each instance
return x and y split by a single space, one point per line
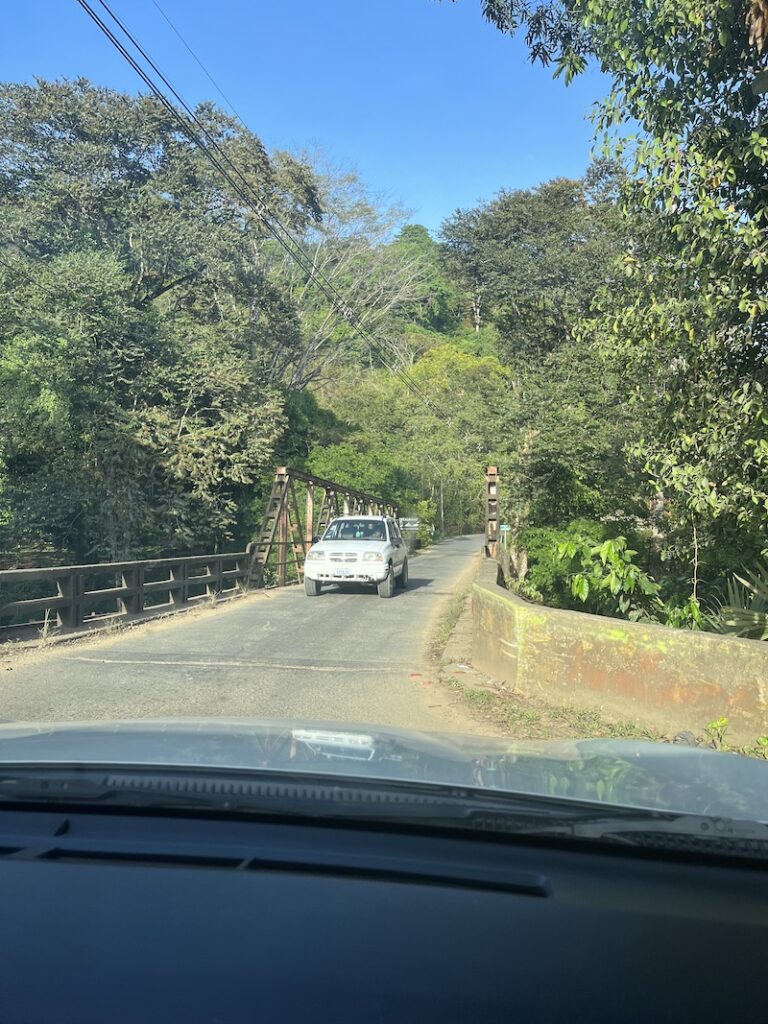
289 532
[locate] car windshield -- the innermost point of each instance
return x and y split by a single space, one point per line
482 285
355 529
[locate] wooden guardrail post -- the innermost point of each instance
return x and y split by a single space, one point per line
71 588
241 568
132 602
179 594
213 583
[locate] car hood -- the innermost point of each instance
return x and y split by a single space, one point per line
331 546
658 776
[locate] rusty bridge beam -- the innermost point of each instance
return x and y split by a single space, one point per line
282 530
318 481
309 516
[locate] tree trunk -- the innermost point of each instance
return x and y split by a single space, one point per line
655 541
476 309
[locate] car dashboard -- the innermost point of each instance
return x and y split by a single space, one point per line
127 916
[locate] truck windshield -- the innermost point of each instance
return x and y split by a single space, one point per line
355 529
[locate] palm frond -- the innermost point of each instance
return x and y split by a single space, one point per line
745 610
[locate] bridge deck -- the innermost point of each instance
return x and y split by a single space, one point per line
347 656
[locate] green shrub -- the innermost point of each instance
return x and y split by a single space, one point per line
606 580
547 574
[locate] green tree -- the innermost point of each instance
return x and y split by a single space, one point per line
462 239
689 323
534 259
555 31
423 450
572 427
541 256
352 247
140 341
437 303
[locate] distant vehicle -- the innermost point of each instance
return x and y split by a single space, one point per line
358 549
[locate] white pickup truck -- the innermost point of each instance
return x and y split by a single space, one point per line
358 549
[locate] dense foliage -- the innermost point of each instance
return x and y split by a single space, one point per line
140 335
159 354
603 340
688 323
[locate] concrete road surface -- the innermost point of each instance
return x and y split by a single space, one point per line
343 656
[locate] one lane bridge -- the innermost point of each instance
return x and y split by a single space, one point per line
347 656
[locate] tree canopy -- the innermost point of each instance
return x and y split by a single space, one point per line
140 333
687 318
603 340
533 259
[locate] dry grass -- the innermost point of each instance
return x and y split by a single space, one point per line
447 623
533 718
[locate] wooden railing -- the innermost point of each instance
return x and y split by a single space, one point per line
88 596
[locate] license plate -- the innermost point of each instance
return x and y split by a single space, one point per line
341 573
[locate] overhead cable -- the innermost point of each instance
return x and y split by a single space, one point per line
200 135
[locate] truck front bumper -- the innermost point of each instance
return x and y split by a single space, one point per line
358 574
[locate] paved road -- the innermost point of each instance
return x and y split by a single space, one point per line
342 656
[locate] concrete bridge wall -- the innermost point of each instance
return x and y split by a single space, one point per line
665 678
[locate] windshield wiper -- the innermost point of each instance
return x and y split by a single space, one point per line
386 802
281 792
298 793
683 832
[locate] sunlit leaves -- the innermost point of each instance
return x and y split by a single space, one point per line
141 347
607 580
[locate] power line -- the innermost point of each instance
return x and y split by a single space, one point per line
19 269
224 96
197 132
268 217
208 75
200 64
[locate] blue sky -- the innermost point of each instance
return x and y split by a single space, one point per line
430 104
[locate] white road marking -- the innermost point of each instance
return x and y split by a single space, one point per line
383 667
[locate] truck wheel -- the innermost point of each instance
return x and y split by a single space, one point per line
311 587
401 581
387 586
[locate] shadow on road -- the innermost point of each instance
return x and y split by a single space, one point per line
414 583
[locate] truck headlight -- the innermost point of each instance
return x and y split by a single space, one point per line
314 553
372 556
